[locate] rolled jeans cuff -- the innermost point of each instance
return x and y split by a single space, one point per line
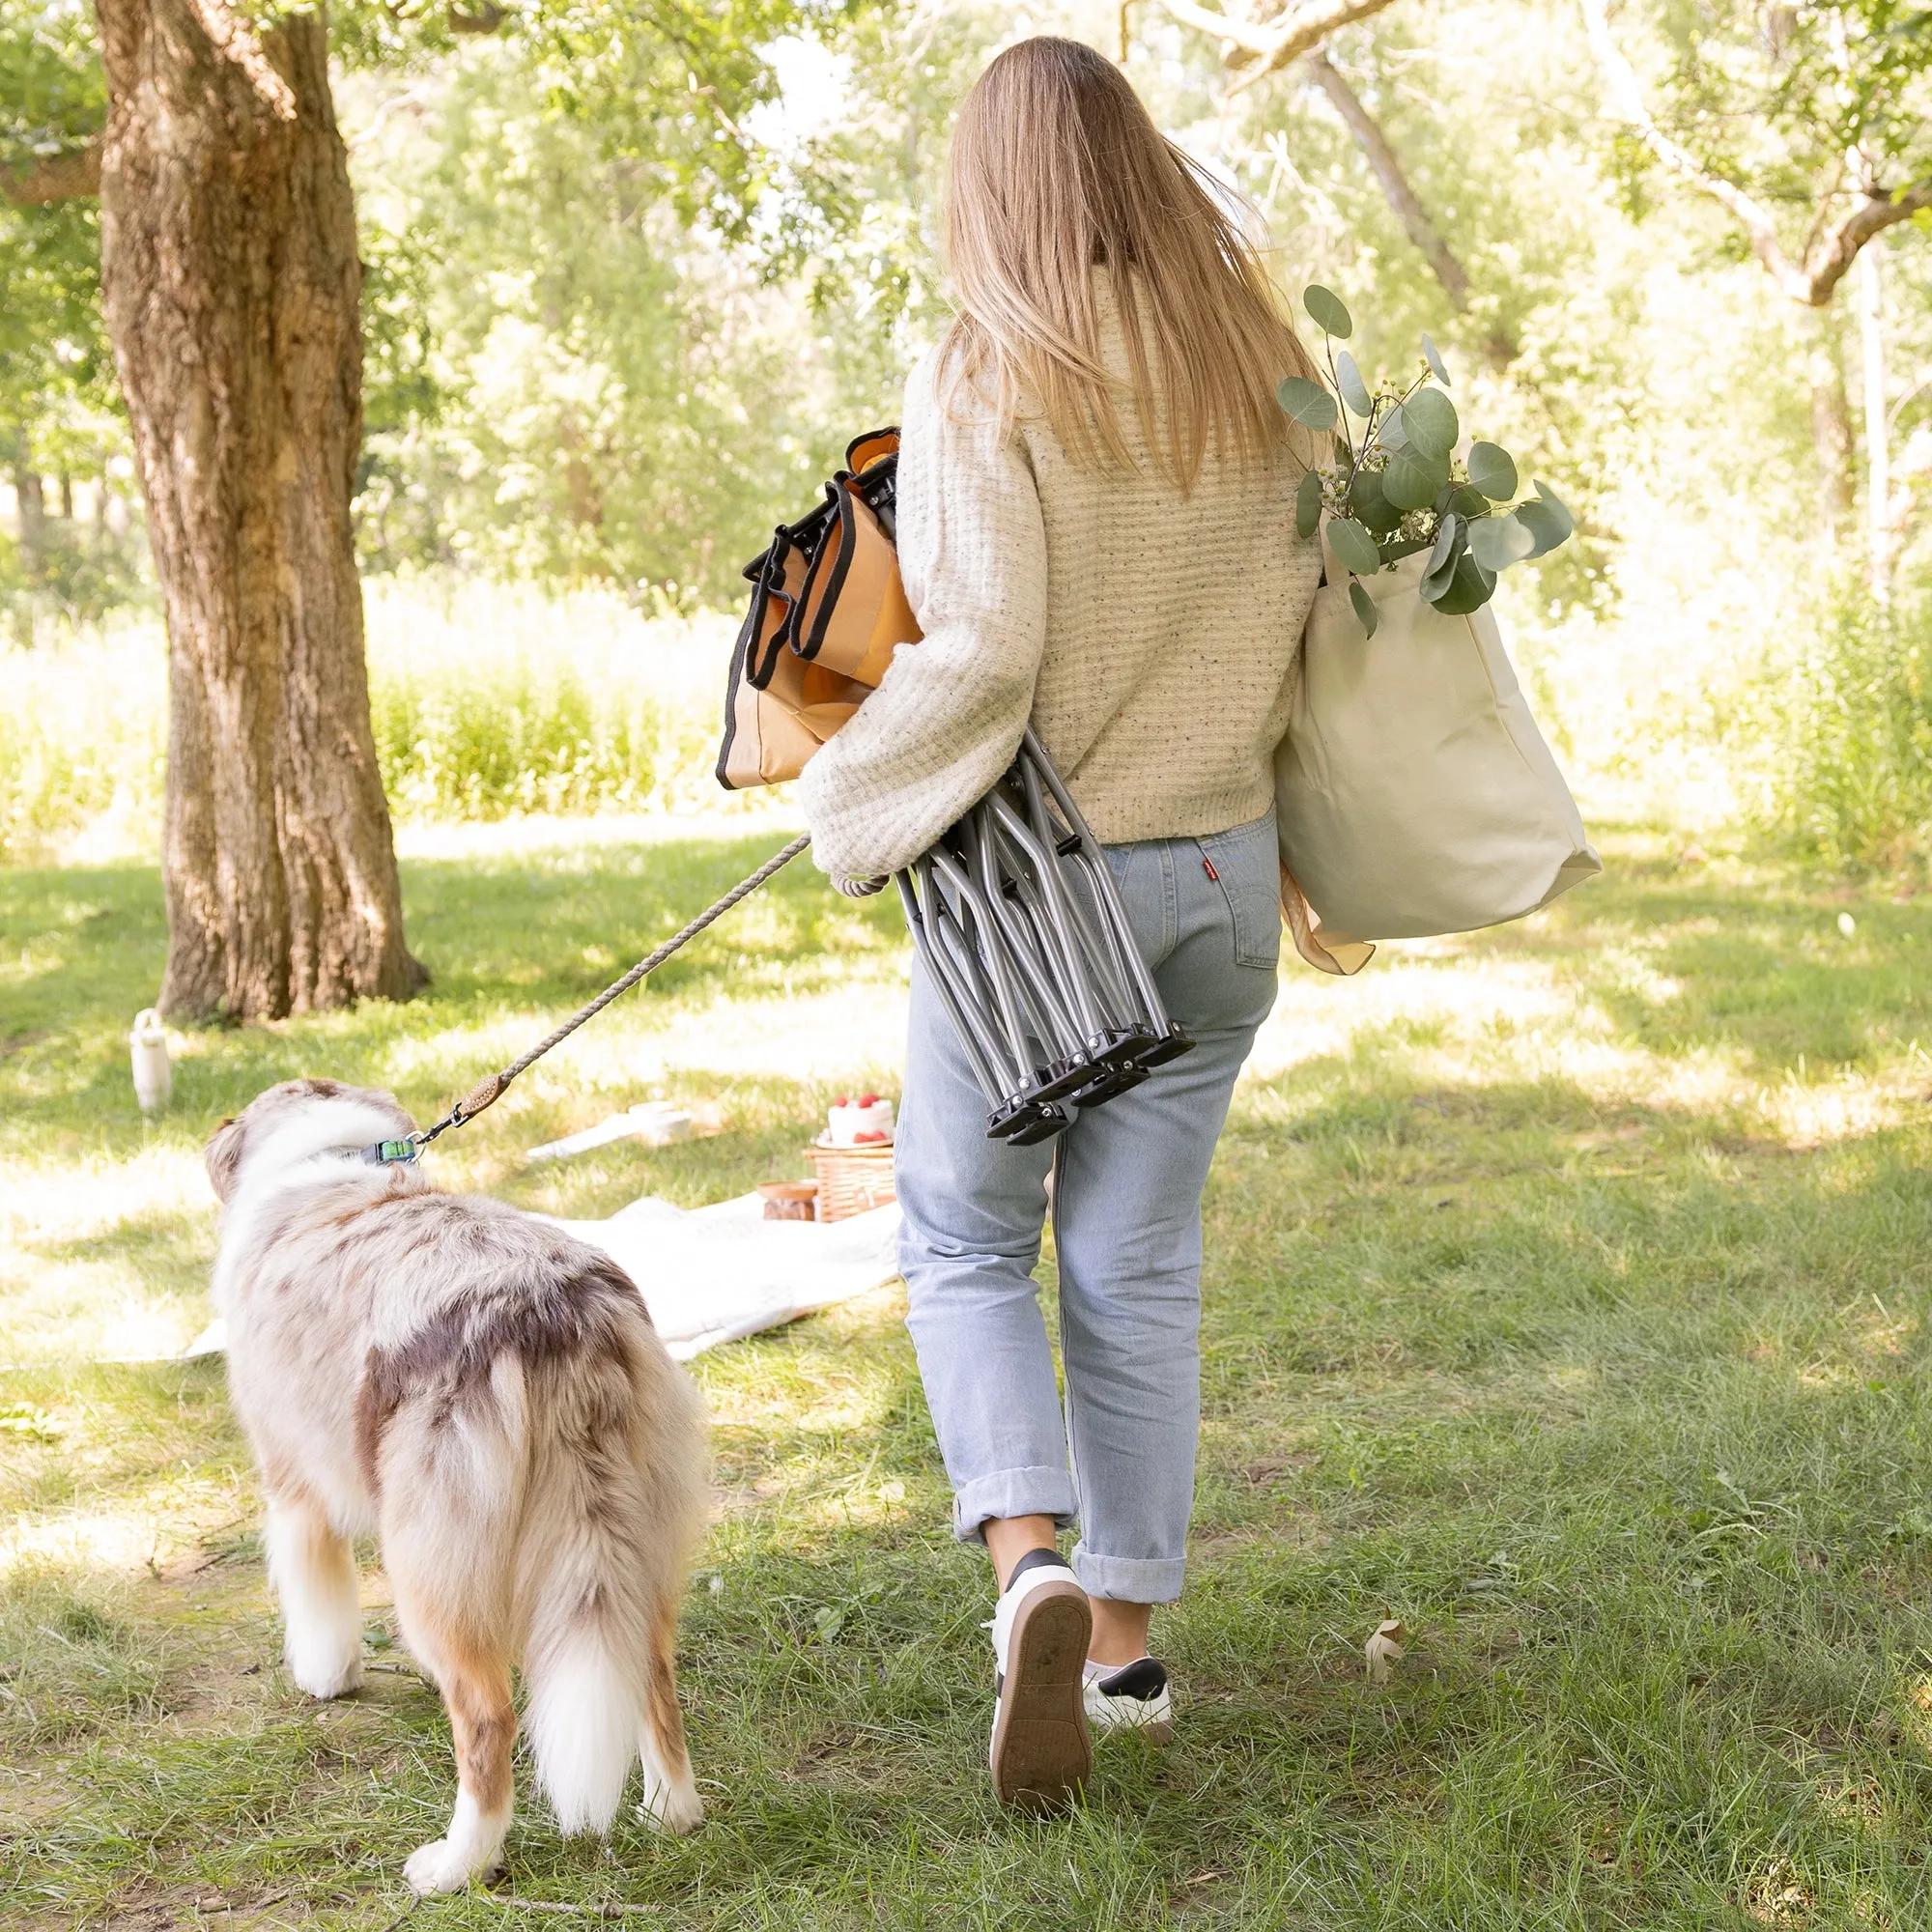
1129 1579
1043 1491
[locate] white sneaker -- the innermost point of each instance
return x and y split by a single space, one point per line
1130 1697
1040 1753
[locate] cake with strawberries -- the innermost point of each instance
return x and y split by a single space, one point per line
866 1121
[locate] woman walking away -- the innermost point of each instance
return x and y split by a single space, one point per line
1096 529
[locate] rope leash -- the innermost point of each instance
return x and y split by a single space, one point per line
487 1093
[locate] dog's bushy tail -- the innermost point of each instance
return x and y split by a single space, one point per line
584 1719
614 1504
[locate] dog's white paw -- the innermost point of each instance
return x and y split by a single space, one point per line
323 1675
675 1808
445 1866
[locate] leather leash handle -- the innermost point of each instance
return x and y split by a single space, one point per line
481 1096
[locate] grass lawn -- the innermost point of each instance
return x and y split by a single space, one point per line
1567 1297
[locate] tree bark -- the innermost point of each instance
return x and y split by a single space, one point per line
1831 440
56 178
1275 36
1385 164
1878 428
30 497
231 287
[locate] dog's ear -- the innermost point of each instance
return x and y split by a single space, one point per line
222 1157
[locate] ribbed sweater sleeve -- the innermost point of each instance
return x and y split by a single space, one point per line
945 724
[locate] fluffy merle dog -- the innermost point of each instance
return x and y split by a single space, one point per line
488 1398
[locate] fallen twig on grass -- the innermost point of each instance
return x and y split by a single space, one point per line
243 1905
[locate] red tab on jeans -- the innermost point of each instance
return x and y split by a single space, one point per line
1207 866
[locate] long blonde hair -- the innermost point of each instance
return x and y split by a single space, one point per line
1057 177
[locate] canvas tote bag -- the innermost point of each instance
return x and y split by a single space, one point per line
826 612
1414 793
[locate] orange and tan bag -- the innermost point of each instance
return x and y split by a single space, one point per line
827 609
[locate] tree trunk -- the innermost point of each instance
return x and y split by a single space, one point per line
1405 204
1832 441
30 497
1386 166
1878 429
231 288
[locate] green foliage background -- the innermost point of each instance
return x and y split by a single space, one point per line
634 277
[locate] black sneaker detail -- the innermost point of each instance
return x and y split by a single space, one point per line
1143 1679
1033 1560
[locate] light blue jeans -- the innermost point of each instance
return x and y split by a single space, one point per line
1126 1218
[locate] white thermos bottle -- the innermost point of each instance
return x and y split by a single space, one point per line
148 1050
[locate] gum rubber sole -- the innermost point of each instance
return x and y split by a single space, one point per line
1042 1753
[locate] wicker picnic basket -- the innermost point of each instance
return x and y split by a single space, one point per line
852 1178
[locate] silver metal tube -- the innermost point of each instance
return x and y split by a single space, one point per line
1095 864
967 991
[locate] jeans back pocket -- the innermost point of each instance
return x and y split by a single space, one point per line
1246 862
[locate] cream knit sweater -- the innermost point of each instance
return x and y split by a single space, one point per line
1153 638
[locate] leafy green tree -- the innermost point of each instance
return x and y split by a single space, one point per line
596 385
231 287
1812 127
57 406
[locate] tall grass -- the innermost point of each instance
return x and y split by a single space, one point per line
492 701
487 702
1846 722
83 737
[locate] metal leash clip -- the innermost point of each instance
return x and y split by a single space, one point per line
1016 919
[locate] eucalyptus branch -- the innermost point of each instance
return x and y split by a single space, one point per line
1335 384
1420 497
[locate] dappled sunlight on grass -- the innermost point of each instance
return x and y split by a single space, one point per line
1568 1295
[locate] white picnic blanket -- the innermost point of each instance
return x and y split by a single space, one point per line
714 1274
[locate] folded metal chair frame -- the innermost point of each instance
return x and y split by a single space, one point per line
1015 917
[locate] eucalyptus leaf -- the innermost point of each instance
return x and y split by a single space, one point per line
1429 418
1390 432
1327 311
1469 589
1371 506
1365 608
1437 366
1547 518
1353 547
1459 500
1492 471
1542 526
1497 542
1412 479
1441 570
1308 504
1307 402
1558 507
1354 391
